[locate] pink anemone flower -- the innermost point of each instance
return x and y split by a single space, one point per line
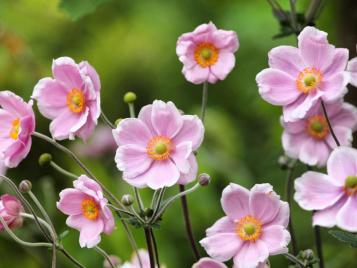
332 196
207 53
87 210
17 125
254 228
10 209
299 77
157 148
310 139
71 99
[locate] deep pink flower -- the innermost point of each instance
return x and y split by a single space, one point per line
10 209
71 99
299 77
87 210
208 263
207 53
156 149
254 228
333 196
17 125
310 139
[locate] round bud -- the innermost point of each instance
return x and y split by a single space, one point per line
45 159
283 162
127 200
307 254
116 123
148 212
204 179
129 97
25 186
114 260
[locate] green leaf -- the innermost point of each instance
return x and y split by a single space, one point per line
79 8
345 237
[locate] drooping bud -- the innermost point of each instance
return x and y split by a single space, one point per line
129 97
204 179
25 186
45 159
127 200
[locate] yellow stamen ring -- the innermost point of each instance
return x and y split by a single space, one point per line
159 148
206 54
90 209
317 127
76 100
15 129
308 80
249 228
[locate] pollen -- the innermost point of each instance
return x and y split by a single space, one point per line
76 100
15 129
206 54
249 228
90 209
159 148
317 127
308 80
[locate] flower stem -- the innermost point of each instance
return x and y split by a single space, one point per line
293 16
63 171
106 120
318 243
147 231
288 194
295 260
204 100
329 123
155 248
312 11
188 225
105 255
71 258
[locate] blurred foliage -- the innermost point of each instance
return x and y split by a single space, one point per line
132 46
345 237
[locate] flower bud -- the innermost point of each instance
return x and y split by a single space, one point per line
129 97
307 254
283 162
114 260
45 159
127 200
25 186
204 179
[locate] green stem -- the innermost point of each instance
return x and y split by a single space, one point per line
105 255
204 100
294 259
107 121
157 204
318 243
312 11
155 248
71 258
63 171
149 246
293 16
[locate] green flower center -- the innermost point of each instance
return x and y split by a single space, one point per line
317 127
206 53
249 228
309 80
351 182
160 148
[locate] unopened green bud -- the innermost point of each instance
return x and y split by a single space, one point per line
25 186
129 97
45 159
127 200
204 179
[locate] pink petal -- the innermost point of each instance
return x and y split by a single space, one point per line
145 117
327 217
286 59
15 104
71 201
90 233
277 87
224 65
132 160
283 216
109 223
338 63
347 216
276 238
222 246
92 73
251 254
208 263
352 71
314 152
166 118
295 127
67 72
341 164
226 40
346 116
315 191
51 97
264 203
343 134
235 201
17 152
333 88
292 143
192 173
161 174
192 130
180 156
223 225
196 74
89 187
132 131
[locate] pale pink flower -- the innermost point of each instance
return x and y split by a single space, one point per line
332 196
254 228
17 125
87 210
310 139
135 263
208 263
352 71
299 77
10 209
114 260
71 99
157 148
207 53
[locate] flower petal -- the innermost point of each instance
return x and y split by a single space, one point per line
67 72
192 130
314 152
276 238
132 131
286 59
251 254
180 156
338 63
283 216
223 225
224 65
347 216
208 263
235 201
71 201
196 74
328 217
352 71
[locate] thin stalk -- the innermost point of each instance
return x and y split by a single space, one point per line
155 248
121 210
71 258
318 243
137 215
329 123
20 241
54 256
63 171
158 203
312 10
149 246
288 194
105 255
138 199
188 224
204 100
131 109
294 259
293 16
107 121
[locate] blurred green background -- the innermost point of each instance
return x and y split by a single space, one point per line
132 46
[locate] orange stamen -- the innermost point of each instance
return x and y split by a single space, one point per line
317 127
16 129
249 228
76 100
90 209
159 148
206 54
308 80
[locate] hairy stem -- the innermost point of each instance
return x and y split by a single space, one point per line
294 260
329 123
155 248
